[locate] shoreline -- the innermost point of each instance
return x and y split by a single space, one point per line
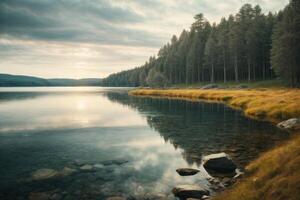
275 174
274 105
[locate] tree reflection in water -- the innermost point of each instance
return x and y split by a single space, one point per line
201 128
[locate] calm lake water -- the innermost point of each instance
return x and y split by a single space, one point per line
134 144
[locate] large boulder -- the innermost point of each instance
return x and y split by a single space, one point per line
219 163
290 124
187 171
189 191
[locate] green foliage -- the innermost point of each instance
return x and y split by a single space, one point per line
7 80
156 79
286 44
237 49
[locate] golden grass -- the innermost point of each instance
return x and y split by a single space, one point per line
275 175
266 104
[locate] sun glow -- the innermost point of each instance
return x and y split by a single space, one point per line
81 105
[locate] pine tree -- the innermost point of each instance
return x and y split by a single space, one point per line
211 52
286 45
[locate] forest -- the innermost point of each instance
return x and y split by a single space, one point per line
247 46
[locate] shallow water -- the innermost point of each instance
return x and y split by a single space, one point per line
135 144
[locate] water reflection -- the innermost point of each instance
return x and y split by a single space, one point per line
201 128
52 129
46 110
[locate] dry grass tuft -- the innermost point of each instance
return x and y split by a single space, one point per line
274 175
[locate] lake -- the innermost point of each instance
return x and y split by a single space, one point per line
129 146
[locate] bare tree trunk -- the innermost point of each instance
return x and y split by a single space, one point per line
236 73
224 67
249 69
254 71
199 73
186 74
212 79
264 70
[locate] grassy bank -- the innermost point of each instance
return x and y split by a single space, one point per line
275 175
266 104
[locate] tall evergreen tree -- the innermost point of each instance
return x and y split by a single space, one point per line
211 52
286 45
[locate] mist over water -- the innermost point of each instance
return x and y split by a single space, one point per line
135 143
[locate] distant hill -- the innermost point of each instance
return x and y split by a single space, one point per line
8 80
75 82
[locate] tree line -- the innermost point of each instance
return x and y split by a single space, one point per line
247 46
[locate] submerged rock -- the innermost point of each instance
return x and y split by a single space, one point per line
187 171
78 162
38 196
290 124
87 168
67 171
114 162
47 195
219 163
116 198
56 196
42 174
189 191
98 166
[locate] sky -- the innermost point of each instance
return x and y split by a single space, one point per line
94 38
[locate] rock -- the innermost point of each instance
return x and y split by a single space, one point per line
239 174
219 163
222 87
187 171
87 168
56 196
78 163
192 199
290 124
67 171
38 196
99 166
202 198
42 174
242 86
209 86
213 181
205 197
228 181
116 198
156 196
216 187
189 191
114 162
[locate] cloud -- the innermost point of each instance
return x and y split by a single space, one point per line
97 37
74 21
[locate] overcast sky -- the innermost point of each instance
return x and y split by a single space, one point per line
93 38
